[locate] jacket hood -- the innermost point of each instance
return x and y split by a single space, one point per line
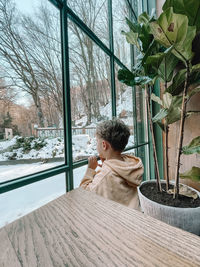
130 169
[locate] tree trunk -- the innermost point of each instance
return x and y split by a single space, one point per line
39 111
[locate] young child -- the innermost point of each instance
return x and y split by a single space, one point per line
120 174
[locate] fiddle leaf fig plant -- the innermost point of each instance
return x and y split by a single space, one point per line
166 48
189 8
193 147
193 174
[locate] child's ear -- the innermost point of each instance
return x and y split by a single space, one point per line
104 145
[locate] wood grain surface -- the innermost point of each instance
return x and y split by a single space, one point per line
8 256
83 229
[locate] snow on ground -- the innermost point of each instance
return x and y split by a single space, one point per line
9 172
19 202
82 145
7 143
124 102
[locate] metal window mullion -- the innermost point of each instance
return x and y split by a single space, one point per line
132 54
66 98
112 60
131 9
32 178
57 3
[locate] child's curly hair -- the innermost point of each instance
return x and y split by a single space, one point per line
115 132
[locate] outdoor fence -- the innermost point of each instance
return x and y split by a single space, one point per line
59 132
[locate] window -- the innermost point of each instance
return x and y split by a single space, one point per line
31 115
58 81
90 89
121 11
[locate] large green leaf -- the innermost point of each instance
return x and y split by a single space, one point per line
126 76
156 59
174 111
193 147
160 115
151 50
156 99
193 92
139 31
177 85
144 34
130 79
143 18
172 29
132 38
134 26
196 67
190 8
142 80
185 48
194 79
167 66
167 100
145 37
193 174
171 108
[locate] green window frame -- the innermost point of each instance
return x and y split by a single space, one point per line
69 165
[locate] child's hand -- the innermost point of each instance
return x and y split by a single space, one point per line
92 162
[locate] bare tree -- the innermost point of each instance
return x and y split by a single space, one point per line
44 32
14 54
86 57
31 55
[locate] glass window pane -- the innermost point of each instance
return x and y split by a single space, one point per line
124 105
121 47
94 14
19 202
31 105
78 174
90 91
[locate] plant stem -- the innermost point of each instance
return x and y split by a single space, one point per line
166 156
153 139
166 138
181 131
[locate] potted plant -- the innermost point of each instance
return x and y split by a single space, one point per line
166 49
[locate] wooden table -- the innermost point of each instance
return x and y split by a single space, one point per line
83 229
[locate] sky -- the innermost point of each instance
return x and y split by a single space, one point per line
27 5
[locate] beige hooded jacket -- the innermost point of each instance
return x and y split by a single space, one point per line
117 180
